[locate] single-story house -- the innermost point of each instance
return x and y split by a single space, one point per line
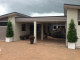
23 24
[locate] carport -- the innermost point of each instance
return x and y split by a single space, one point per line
42 21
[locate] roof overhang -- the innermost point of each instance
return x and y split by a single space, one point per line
42 19
13 14
72 6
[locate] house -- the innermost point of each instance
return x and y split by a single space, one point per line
23 24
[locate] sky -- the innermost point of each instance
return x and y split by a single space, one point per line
35 8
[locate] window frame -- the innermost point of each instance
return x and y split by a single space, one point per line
55 27
2 25
78 23
23 27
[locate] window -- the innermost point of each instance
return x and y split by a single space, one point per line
59 26
3 23
63 27
49 25
54 27
78 23
23 27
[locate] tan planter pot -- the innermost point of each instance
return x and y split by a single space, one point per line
9 39
71 45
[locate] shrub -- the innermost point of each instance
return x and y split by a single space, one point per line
72 34
9 31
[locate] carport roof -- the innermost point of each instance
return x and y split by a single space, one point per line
42 19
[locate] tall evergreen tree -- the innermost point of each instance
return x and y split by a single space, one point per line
72 34
9 31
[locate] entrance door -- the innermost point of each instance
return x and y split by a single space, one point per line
2 33
39 30
31 29
3 26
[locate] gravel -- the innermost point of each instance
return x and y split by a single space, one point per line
43 50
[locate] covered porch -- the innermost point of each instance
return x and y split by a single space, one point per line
38 26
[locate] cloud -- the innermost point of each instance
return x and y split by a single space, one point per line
2 10
40 6
47 14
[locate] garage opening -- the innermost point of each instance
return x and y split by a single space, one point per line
52 33
3 26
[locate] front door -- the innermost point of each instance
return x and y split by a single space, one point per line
38 29
31 29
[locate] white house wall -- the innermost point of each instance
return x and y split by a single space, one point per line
12 19
17 28
78 43
27 29
72 14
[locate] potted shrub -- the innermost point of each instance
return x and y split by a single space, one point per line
72 35
31 39
9 32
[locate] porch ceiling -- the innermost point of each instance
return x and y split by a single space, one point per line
42 19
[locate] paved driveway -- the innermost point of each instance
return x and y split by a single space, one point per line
43 50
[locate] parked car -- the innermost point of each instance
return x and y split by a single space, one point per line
58 33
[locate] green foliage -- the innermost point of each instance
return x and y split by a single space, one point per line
9 31
72 34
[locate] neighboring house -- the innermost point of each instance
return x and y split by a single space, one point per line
23 24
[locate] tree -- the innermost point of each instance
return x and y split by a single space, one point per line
9 31
72 34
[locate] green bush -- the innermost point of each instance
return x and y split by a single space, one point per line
9 31
72 34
